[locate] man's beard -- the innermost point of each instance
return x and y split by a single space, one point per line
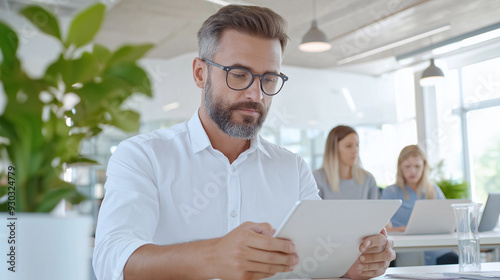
221 115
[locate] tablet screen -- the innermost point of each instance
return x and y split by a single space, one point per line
327 233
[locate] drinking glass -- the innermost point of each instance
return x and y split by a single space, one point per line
466 220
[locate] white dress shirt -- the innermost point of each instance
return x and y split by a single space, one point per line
171 186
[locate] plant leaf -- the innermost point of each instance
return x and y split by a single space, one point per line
81 160
101 53
51 198
43 19
126 120
58 69
95 96
83 69
85 26
8 44
129 53
4 206
133 75
76 198
12 76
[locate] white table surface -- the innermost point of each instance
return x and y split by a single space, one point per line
405 243
490 266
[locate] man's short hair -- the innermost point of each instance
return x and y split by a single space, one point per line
252 20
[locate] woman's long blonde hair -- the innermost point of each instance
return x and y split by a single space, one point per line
424 184
331 159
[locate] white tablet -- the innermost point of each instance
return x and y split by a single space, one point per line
327 233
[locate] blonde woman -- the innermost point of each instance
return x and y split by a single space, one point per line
341 176
412 183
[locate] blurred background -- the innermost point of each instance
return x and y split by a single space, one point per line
368 79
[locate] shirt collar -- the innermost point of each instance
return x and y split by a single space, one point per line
257 141
197 134
200 140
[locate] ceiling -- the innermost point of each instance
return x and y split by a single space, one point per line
353 27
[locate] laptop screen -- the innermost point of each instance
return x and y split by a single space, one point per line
491 212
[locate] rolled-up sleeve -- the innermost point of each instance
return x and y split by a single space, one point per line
129 214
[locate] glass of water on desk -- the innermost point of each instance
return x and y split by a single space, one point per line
466 220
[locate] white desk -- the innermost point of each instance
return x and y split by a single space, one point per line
490 266
412 243
411 247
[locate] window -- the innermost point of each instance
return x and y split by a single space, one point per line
484 149
481 82
468 112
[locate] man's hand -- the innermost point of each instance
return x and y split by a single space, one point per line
376 255
250 252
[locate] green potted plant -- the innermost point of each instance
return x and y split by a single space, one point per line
46 118
452 189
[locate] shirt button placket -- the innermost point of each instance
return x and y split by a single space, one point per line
234 198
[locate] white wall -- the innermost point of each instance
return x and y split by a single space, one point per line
316 99
172 81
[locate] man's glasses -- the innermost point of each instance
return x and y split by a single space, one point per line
239 78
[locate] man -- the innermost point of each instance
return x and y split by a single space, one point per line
199 200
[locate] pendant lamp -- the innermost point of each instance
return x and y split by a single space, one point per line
432 75
314 40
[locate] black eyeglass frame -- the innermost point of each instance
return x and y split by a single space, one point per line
229 68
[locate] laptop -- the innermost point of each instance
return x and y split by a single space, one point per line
327 233
432 216
489 219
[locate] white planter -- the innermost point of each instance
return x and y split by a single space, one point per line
46 247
